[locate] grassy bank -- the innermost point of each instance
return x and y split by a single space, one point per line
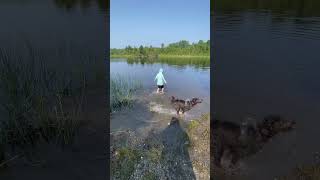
42 95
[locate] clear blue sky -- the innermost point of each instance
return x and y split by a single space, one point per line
152 22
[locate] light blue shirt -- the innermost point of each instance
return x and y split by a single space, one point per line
160 78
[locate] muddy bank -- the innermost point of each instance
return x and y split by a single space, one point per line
177 151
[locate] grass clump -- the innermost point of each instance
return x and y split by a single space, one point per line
42 93
124 164
122 89
193 124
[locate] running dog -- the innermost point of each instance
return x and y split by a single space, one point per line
184 105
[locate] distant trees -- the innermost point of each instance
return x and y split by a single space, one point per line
183 48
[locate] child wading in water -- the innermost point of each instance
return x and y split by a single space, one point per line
160 81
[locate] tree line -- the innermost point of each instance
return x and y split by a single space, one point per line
181 48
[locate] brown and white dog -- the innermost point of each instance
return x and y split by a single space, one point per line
184 105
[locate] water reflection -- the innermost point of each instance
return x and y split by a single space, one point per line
267 61
201 63
70 4
296 8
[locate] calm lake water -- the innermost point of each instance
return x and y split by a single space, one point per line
184 81
267 61
53 23
73 30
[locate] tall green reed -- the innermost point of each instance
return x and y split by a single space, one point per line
122 89
35 83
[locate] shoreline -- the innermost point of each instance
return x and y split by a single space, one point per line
162 56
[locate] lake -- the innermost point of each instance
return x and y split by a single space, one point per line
266 56
186 78
52 23
57 36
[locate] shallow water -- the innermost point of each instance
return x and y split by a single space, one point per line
183 81
267 59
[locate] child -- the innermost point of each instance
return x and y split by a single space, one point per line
160 81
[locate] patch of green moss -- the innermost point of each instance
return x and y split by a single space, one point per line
123 166
193 124
154 154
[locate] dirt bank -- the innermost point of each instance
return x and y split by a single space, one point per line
172 152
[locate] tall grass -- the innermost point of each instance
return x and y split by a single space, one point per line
42 93
122 89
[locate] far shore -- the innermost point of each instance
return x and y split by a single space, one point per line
162 56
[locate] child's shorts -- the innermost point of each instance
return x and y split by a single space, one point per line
160 87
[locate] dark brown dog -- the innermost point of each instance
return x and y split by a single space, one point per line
184 105
244 140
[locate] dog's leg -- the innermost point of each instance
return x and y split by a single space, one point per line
178 110
182 110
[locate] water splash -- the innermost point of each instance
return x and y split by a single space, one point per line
159 108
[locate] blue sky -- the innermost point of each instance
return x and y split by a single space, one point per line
152 22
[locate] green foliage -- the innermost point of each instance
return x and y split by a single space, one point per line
181 48
121 91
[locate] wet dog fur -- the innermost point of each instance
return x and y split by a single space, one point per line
184 105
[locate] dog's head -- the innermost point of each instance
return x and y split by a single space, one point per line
172 98
195 101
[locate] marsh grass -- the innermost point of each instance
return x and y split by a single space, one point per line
199 62
122 89
35 85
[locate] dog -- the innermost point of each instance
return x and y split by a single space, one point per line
241 140
184 105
